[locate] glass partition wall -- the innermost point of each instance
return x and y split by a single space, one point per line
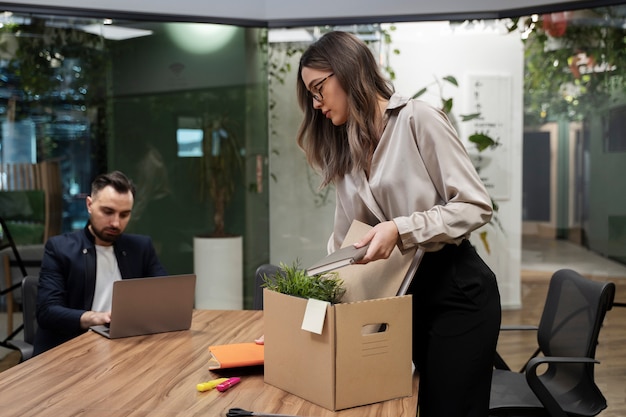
574 101
162 100
167 103
570 147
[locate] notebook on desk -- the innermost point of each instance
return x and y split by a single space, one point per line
150 305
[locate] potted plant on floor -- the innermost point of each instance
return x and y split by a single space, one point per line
218 255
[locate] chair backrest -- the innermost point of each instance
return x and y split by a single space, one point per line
23 212
265 270
570 324
44 176
573 314
29 307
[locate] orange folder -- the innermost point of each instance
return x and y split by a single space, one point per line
236 355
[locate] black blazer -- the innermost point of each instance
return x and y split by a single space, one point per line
67 280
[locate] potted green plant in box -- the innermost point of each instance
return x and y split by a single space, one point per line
292 280
218 255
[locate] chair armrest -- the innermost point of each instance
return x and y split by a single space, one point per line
534 362
26 349
499 362
541 391
509 327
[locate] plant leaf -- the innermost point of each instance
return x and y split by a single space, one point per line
468 117
451 80
482 141
292 280
419 93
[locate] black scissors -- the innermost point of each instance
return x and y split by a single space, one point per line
240 412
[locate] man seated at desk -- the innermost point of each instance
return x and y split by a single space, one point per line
78 268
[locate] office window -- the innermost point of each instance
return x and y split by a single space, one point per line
189 136
131 95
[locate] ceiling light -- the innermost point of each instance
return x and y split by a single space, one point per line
116 33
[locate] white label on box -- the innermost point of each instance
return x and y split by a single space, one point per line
314 316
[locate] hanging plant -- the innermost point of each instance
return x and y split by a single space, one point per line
574 64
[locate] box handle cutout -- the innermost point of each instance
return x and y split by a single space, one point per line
374 328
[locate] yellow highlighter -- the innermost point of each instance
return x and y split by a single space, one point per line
209 385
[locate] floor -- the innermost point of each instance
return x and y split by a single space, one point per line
17 320
541 255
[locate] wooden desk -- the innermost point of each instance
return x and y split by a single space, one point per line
156 375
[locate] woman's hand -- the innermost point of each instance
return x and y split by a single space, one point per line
382 238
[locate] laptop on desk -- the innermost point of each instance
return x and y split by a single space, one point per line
143 306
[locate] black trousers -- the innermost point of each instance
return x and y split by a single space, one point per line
456 322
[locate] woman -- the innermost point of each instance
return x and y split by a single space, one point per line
398 165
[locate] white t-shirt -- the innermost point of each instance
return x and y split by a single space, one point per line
107 272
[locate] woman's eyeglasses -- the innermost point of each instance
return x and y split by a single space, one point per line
318 87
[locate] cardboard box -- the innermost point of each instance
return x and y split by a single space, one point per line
347 365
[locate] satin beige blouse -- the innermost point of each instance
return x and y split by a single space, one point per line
421 177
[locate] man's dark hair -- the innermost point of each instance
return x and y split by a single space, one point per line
116 179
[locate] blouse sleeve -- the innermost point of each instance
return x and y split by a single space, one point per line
464 204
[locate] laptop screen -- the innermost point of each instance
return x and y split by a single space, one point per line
150 305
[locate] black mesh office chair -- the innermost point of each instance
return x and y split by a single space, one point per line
567 336
29 308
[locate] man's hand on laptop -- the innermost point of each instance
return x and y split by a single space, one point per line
94 318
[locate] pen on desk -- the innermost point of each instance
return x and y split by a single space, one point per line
209 385
240 412
227 384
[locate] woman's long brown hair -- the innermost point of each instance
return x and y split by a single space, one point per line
336 150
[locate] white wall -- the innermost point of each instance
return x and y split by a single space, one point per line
432 50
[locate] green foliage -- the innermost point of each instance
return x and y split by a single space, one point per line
446 102
451 80
41 55
53 71
480 139
221 167
292 280
557 82
386 40
468 117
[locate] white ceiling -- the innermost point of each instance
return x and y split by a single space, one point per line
279 13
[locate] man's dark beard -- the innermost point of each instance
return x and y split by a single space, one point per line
102 236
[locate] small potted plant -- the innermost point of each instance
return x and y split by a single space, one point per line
292 280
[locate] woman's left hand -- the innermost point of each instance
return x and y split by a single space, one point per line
382 238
